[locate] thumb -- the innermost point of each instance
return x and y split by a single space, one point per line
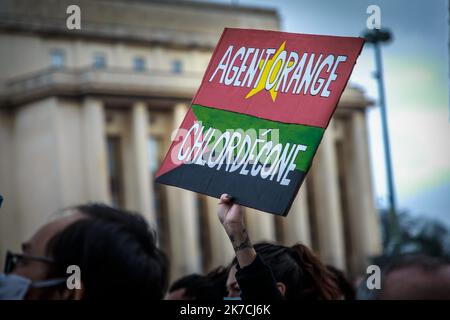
224 206
225 198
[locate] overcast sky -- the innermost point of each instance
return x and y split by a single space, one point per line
417 89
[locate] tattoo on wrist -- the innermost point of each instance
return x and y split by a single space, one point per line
243 244
233 238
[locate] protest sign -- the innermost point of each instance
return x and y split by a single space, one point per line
259 115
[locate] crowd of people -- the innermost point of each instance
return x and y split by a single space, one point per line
118 256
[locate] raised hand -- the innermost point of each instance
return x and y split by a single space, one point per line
230 215
232 219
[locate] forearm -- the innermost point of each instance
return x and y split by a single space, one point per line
245 253
255 279
232 219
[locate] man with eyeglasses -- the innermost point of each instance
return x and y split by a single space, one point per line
115 251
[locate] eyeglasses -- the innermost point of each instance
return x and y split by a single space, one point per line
12 259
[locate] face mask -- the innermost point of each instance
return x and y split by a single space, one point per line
14 287
232 298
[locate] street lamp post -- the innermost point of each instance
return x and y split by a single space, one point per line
377 37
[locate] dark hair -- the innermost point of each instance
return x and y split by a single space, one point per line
193 284
300 270
116 252
184 282
211 287
218 278
344 285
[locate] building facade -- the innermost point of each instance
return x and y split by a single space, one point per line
87 115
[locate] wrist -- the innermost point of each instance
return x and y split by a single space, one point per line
240 240
245 256
235 229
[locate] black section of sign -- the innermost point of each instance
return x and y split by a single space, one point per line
249 191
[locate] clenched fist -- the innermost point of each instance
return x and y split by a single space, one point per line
230 215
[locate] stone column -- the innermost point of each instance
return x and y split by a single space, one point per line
10 228
261 225
363 217
183 222
47 162
95 155
221 249
144 196
327 202
296 227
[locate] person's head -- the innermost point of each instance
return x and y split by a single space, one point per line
298 271
115 251
186 288
418 276
197 287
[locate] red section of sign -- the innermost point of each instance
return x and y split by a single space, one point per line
307 109
170 161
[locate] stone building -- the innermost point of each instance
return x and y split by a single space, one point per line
87 115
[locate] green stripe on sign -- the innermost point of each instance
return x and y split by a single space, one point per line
287 133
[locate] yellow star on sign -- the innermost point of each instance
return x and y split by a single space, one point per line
265 74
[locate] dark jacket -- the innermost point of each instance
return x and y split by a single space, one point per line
257 282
